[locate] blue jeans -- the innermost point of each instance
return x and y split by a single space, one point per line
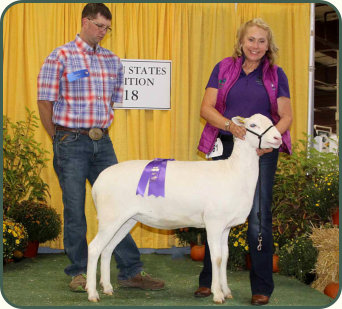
261 278
76 159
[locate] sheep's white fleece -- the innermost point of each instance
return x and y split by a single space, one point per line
216 195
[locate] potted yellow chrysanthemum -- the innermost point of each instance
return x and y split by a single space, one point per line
15 239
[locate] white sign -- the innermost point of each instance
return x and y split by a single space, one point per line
147 84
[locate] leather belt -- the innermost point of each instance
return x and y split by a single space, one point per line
94 133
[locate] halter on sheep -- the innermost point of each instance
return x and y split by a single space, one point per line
216 195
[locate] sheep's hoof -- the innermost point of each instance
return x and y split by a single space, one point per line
218 300
94 298
227 293
108 290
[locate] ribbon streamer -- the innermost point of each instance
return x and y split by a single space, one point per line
154 174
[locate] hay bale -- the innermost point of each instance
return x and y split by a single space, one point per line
326 240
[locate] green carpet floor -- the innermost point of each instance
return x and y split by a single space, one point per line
41 281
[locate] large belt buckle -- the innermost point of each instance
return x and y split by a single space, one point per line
95 134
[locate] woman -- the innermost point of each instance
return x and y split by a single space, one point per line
242 85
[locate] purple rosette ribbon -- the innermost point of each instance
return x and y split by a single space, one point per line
154 174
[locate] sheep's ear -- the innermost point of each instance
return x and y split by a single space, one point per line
240 121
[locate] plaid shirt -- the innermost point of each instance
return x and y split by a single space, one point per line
86 101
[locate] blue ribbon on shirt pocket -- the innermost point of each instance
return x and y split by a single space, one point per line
77 75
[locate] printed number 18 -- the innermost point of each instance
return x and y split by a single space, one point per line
131 96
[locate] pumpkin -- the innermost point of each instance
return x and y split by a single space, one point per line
332 289
197 252
17 255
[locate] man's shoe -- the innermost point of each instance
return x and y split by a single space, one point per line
202 292
259 300
142 281
78 283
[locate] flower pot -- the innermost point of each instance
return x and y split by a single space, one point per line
248 261
331 289
335 217
7 261
197 253
275 268
31 249
275 263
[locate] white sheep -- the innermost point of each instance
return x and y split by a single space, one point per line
216 195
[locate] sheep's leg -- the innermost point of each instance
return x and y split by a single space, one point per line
213 235
95 248
223 270
107 254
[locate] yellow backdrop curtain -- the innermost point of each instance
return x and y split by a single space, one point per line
194 36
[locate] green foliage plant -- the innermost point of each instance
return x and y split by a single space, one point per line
321 195
305 190
298 258
23 161
14 237
190 236
42 222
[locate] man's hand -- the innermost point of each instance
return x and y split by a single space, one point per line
45 112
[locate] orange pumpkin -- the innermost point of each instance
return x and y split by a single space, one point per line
335 217
332 289
197 252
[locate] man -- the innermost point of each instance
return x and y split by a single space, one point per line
77 87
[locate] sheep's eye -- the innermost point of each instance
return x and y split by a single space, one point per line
253 125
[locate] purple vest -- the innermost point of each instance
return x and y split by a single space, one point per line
229 73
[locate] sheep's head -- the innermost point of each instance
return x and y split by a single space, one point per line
260 131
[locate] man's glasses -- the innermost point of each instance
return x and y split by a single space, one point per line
100 26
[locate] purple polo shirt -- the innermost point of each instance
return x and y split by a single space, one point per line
248 95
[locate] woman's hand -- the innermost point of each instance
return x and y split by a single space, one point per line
237 131
211 114
262 151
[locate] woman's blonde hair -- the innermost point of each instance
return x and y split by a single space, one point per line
272 51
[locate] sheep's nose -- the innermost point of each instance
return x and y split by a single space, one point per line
277 138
